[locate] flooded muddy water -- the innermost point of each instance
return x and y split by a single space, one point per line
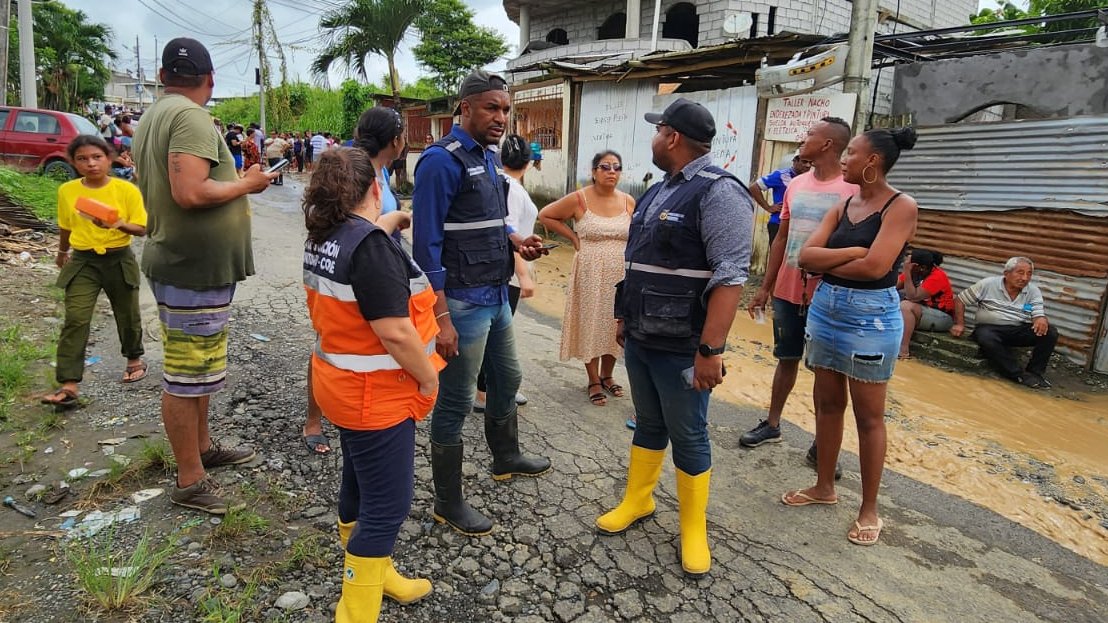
1039 459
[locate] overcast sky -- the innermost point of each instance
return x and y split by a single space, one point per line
225 28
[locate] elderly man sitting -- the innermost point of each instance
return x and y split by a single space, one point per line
1010 313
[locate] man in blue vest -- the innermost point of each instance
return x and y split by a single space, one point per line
688 255
465 247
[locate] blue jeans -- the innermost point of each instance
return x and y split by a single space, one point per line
484 335
666 409
378 470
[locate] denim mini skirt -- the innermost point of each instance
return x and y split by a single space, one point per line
854 332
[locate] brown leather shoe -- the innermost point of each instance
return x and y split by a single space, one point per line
217 456
204 495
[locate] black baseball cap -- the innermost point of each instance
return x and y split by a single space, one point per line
478 81
687 117
186 57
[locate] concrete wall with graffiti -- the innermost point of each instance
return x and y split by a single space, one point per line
611 118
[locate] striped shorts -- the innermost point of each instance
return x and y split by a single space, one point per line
194 335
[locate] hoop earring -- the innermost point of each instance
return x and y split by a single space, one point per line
868 167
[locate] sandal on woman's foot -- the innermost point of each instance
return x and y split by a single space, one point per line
611 387
597 399
859 529
134 373
62 398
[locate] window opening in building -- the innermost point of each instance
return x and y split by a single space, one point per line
615 27
557 37
682 22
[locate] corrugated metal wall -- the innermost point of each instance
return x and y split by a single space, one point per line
1068 243
1055 164
1039 188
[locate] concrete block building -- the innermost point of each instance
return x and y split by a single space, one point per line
597 25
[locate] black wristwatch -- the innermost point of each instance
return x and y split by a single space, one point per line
708 351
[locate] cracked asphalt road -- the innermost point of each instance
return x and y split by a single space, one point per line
940 558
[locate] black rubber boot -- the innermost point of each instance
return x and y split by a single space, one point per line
450 506
503 438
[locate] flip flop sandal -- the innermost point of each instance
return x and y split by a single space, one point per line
598 399
68 401
859 528
614 389
140 368
805 499
313 441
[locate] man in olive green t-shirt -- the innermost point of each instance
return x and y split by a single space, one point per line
197 249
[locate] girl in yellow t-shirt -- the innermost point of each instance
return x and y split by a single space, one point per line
94 256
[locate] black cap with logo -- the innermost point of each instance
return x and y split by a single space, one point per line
186 57
687 117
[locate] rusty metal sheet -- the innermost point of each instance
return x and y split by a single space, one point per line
1061 241
1054 164
1073 304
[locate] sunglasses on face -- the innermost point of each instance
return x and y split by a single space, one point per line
604 166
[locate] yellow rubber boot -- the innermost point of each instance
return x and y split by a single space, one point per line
692 508
398 588
404 590
345 530
363 582
638 498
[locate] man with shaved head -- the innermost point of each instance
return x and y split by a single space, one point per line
808 197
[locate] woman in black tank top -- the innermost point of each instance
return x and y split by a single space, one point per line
854 323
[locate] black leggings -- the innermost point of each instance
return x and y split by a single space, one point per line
513 303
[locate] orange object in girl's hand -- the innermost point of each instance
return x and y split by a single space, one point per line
97 210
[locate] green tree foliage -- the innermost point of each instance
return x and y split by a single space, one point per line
366 27
312 108
71 57
1006 11
1055 7
452 45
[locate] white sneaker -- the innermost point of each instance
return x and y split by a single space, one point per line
521 399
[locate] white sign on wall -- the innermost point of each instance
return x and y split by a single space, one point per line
788 118
612 118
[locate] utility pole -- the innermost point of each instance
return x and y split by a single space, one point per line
258 7
6 14
138 72
27 90
157 67
863 23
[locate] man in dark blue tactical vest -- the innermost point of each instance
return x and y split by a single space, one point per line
687 258
465 247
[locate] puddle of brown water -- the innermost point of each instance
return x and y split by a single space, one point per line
957 432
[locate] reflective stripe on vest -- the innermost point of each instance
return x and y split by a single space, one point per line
345 292
496 222
328 287
662 270
366 363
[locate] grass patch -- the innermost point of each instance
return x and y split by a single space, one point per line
17 353
310 549
113 579
37 193
227 605
155 458
237 524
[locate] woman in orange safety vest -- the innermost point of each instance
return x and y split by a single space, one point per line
374 370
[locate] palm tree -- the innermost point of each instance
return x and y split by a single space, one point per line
365 27
72 55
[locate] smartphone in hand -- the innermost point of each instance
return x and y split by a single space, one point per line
550 245
277 166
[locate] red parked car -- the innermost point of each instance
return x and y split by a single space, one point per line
33 138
